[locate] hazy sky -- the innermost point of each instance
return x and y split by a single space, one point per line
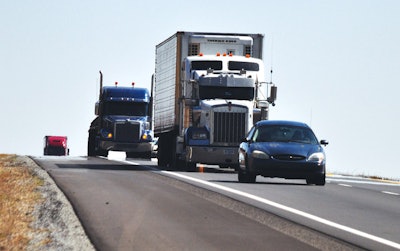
336 65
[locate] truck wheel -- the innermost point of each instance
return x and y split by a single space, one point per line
162 151
190 167
147 155
131 155
91 144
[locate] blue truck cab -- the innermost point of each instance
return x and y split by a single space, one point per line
123 122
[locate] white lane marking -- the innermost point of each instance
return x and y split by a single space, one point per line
381 183
391 193
291 210
126 162
345 185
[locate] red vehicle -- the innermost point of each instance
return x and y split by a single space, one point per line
55 145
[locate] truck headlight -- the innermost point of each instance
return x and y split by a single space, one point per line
106 134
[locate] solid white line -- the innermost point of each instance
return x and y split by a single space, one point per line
364 181
345 185
391 193
291 210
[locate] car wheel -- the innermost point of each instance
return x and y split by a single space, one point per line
319 181
246 177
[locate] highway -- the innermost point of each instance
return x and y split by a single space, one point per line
132 204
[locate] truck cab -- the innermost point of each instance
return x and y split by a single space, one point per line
122 122
208 90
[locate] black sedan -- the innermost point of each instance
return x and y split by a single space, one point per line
284 149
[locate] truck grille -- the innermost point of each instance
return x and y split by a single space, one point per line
127 132
229 127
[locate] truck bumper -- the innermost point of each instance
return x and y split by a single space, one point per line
212 155
126 147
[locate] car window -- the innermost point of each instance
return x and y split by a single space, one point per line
250 134
284 134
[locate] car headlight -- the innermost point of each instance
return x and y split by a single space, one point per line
317 157
259 154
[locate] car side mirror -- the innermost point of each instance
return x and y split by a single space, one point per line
245 140
324 142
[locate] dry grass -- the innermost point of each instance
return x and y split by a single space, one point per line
18 197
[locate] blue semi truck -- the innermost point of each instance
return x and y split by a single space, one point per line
123 122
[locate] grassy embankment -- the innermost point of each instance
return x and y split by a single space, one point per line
18 197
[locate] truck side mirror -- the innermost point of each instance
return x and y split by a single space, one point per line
272 96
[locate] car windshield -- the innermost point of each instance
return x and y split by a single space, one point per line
284 133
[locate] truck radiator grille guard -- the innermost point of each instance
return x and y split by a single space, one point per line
229 128
127 132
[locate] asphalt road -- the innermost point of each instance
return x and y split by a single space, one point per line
132 205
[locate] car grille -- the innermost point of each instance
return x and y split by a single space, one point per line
127 132
229 128
288 157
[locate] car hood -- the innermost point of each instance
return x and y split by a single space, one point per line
287 148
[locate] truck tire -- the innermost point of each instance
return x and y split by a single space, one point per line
131 155
190 167
162 151
91 144
147 155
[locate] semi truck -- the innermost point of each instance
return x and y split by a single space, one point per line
123 122
208 89
55 145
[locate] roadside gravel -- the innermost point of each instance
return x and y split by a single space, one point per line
56 226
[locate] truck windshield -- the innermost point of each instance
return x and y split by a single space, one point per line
206 64
212 92
248 66
126 108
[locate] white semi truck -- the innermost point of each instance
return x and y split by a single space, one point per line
208 89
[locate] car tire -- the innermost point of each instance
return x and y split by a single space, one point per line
319 181
244 176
